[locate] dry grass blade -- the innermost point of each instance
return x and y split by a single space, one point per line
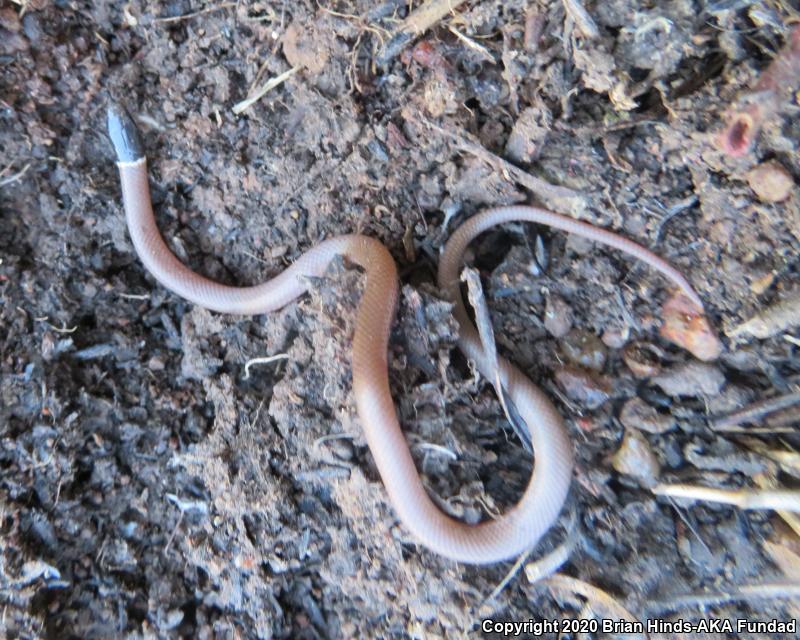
265 360
783 499
268 86
508 577
482 51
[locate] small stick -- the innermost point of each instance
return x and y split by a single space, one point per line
268 86
534 26
266 360
417 23
482 51
509 576
756 411
428 14
767 591
558 197
778 499
432 446
17 176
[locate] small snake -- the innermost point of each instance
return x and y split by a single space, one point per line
491 541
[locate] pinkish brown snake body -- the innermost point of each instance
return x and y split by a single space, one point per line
490 541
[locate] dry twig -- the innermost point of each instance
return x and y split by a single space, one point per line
778 499
268 86
16 176
766 591
265 360
417 23
557 197
755 411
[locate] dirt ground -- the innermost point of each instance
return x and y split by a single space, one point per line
149 489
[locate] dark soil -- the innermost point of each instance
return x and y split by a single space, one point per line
148 490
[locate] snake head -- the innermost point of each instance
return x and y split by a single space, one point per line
124 134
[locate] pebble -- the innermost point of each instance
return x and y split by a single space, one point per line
642 359
587 388
341 448
48 346
770 181
616 337
95 352
691 379
687 326
637 414
671 451
529 134
635 458
304 47
583 348
557 316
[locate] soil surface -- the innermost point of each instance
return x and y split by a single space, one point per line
148 488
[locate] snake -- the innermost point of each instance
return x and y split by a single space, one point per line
492 540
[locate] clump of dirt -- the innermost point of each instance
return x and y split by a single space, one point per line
148 488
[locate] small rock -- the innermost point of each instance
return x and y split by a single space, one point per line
687 326
770 181
303 46
557 316
642 359
691 379
529 134
635 458
616 337
341 448
637 414
578 244
671 452
48 346
584 349
731 398
588 389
